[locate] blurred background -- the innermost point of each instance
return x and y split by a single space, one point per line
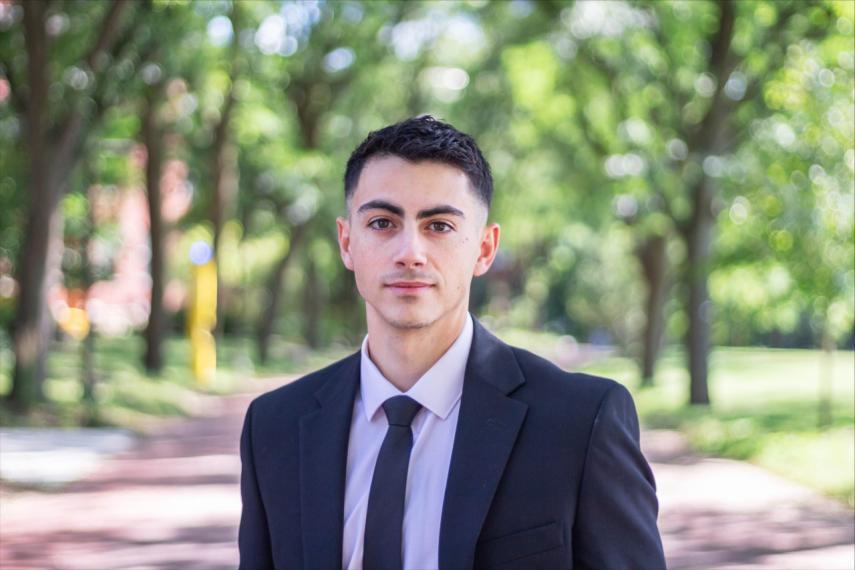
674 182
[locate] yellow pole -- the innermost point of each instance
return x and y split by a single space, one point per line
202 313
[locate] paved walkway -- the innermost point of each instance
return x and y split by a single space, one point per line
172 502
54 457
724 514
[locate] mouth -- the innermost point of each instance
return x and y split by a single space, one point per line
408 287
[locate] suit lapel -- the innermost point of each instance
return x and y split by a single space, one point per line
487 427
324 435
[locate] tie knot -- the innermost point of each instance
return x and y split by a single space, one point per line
400 410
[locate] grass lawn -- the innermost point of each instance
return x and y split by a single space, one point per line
128 397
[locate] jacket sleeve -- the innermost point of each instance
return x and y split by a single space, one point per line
615 525
253 535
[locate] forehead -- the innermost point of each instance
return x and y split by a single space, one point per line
414 185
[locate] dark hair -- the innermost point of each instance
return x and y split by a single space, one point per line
423 138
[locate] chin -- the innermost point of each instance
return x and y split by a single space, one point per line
410 320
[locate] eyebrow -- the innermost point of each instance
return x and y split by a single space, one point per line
399 211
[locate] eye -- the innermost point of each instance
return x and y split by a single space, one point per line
440 227
380 224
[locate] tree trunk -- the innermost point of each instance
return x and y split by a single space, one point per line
826 377
89 380
89 377
30 331
698 236
274 288
153 359
651 254
312 304
224 166
710 138
53 150
222 186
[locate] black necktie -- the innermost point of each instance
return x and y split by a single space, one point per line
383 548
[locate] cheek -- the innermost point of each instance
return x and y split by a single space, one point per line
460 259
365 265
468 250
361 265
361 277
359 250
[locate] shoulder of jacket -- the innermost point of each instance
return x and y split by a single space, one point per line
297 393
540 372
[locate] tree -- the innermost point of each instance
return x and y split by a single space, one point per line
54 134
667 93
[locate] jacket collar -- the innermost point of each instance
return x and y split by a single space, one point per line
487 427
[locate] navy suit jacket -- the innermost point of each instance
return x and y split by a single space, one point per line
546 470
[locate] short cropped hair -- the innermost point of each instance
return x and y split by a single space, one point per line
422 139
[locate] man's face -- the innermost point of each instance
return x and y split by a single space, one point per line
414 237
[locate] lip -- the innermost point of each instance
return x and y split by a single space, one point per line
409 286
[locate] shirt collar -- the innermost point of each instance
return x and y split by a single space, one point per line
438 389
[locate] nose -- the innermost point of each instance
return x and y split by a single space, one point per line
411 250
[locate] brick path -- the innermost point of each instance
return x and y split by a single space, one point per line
173 503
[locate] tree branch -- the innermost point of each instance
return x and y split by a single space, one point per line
106 36
144 53
720 64
71 144
104 51
754 90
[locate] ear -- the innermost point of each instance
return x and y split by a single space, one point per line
489 248
343 225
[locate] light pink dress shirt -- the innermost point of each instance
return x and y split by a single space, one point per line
438 391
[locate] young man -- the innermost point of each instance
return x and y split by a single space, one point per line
437 445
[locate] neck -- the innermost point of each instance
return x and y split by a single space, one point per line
404 355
